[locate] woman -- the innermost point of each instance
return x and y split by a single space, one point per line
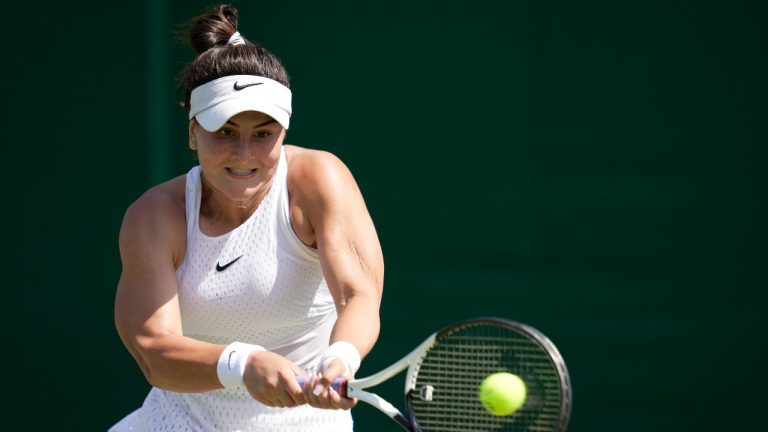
259 265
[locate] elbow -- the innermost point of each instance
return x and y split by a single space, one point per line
147 371
144 350
155 379
140 353
149 359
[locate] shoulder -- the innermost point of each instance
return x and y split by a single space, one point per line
157 218
317 172
322 192
165 199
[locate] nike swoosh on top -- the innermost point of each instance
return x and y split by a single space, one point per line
240 87
220 268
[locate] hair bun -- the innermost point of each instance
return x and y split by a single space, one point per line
213 28
209 35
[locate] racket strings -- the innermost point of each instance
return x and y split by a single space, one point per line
456 365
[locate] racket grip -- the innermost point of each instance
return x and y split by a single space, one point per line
339 385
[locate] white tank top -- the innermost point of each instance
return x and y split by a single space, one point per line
257 284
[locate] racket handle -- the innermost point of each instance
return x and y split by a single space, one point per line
339 385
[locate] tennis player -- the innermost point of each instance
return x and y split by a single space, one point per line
258 265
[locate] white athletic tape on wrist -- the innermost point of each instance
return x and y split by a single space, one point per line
344 351
232 361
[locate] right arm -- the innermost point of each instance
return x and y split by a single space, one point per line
148 319
152 241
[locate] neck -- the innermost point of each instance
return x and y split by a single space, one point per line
249 203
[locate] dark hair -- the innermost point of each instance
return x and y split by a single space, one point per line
208 35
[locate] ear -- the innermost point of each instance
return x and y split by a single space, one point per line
192 139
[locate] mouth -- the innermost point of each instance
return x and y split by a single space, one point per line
241 173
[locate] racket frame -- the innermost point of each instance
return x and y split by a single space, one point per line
355 388
533 334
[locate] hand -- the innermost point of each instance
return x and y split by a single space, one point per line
319 393
271 379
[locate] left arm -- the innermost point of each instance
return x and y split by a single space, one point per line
336 221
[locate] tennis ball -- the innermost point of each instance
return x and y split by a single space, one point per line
502 393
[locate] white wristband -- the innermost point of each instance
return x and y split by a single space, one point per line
232 363
344 351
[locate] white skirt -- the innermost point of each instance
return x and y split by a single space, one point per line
227 410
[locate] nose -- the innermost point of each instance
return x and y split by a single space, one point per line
244 149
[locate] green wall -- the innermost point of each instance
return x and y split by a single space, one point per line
593 169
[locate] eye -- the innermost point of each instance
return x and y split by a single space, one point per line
263 134
226 132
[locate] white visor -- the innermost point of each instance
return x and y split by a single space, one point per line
215 102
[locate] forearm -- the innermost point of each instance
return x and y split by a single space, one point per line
178 363
358 322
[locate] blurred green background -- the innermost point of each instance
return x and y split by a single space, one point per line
594 169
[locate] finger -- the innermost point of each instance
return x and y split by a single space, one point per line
333 370
294 391
288 390
344 403
296 396
272 402
288 398
319 386
261 398
330 399
326 397
316 400
340 402
307 388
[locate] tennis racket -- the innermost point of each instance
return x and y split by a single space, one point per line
445 372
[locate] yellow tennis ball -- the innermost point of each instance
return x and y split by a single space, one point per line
502 393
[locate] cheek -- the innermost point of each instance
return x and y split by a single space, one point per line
272 152
204 156
270 149
211 152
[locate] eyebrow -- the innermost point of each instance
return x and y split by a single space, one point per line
257 126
